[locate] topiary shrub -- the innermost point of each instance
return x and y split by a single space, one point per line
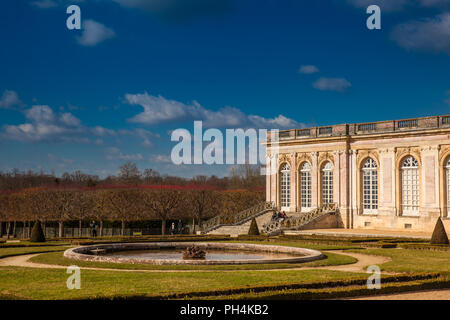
37 235
253 230
439 235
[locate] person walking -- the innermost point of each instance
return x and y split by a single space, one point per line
93 226
180 227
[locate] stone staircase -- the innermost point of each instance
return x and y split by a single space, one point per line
298 221
236 230
239 223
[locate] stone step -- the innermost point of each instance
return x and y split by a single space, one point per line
243 228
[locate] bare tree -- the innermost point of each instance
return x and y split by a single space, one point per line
122 205
163 203
82 206
129 173
60 205
202 203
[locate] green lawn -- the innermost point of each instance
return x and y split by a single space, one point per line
332 259
410 260
339 292
8 252
29 283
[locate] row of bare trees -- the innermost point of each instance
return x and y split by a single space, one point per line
241 177
125 205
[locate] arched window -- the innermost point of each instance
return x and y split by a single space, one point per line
370 186
327 183
285 184
447 174
410 186
305 186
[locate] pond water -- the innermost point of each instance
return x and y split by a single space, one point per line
221 255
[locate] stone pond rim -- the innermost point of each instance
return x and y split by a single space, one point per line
299 255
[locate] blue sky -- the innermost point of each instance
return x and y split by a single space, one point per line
94 98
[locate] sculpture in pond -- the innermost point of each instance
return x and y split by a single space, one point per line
193 252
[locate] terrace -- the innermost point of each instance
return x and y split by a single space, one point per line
360 129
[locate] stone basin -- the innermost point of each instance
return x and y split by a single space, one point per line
239 253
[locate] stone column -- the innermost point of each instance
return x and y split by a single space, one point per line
274 179
345 187
337 178
387 184
314 180
354 184
293 182
268 179
429 201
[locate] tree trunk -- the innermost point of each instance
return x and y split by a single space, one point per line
163 227
122 231
61 229
8 229
24 231
1 229
14 230
199 220
80 230
44 228
101 228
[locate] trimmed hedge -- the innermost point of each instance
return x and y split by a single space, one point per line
424 246
349 292
30 245
253 230
37 234
312 285
194 238
439 235
246 237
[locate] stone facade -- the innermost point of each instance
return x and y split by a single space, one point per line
403 187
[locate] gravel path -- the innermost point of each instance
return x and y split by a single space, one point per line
419 295
360 266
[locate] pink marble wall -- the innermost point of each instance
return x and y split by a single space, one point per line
430 184
387 181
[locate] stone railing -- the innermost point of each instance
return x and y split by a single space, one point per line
299 221
238 218
366 128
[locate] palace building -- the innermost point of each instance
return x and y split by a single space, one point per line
381 175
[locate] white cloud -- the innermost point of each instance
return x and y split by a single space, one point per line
447 101
46 125
432 34
102 132
332 84
40 114
9 99
160 158
94 33
44 4
277 122
48 4
398 5
145 135
434 3
158 109
385 5
115 154
308 69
